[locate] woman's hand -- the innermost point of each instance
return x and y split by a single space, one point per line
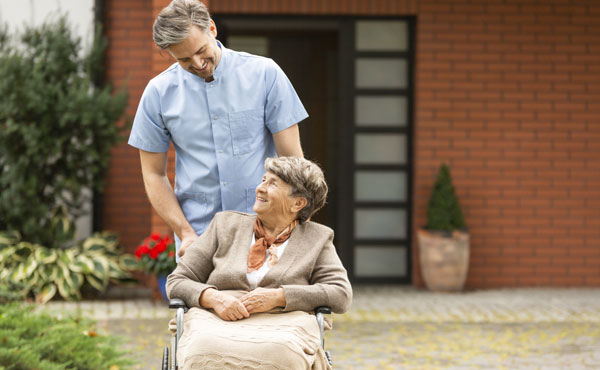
225 306
263 300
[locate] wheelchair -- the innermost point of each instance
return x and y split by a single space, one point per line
169 358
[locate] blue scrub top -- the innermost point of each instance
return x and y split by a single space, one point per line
221 130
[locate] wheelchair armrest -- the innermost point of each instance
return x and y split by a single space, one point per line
319 312
175 303
326 310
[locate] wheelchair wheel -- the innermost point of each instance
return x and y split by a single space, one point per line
165 359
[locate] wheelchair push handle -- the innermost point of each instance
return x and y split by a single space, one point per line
325 310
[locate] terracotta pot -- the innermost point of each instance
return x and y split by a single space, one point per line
444 259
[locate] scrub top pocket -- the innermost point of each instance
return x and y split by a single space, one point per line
246 128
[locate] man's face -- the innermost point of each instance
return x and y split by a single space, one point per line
198 53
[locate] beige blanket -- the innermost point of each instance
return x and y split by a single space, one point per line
275 340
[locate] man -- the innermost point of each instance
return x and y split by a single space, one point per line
224 111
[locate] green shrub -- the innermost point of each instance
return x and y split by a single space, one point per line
33 340
443 210
43 272
56 129
11 291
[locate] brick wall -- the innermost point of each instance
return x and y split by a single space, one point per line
127 25
507 92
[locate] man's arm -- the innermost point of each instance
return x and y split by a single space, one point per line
162 197
287 142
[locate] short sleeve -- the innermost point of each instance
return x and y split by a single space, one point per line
283 108
148 131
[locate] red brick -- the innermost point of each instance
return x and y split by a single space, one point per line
535 280
507 86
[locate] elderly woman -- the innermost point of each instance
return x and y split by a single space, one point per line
251 280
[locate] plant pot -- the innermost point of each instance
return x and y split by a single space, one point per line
444 258
161 282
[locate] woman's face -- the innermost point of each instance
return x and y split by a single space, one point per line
273 198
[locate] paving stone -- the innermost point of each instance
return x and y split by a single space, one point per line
391 327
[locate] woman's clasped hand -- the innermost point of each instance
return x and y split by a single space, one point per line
230 308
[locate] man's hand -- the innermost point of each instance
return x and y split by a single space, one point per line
263 300
225 306
186 241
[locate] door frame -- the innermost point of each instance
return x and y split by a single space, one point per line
344 127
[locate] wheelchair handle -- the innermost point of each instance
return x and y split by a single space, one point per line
326 310
175 303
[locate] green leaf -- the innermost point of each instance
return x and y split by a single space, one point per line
5 273
94 245
8 238
129 262
65 290
30 265
46 294
77 280
45 255
101 269
83 264
22 251
95 282
56 271
7 253
19 273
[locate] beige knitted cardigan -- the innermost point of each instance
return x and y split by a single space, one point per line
309 270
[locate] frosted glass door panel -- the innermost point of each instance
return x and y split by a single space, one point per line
381 73
381 36
380 186
371 261
380 223
251 44
380 148
380 111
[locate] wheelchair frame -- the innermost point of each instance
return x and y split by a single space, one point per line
169 358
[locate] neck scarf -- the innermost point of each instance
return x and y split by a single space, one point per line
258 251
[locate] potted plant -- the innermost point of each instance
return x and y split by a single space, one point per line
157 256
444 242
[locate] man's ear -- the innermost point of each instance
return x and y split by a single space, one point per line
299 203
213 28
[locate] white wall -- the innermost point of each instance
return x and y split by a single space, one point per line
18 13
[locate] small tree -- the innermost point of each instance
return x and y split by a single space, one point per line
56 130
443 210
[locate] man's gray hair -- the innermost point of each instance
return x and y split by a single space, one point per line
305 179
173 23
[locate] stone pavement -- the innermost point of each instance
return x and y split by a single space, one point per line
394 327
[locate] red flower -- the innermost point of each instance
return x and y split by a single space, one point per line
154 246
161 246
141 250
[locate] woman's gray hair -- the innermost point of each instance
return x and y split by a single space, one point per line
306 180
173 23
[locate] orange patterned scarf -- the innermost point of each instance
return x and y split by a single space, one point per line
258 251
